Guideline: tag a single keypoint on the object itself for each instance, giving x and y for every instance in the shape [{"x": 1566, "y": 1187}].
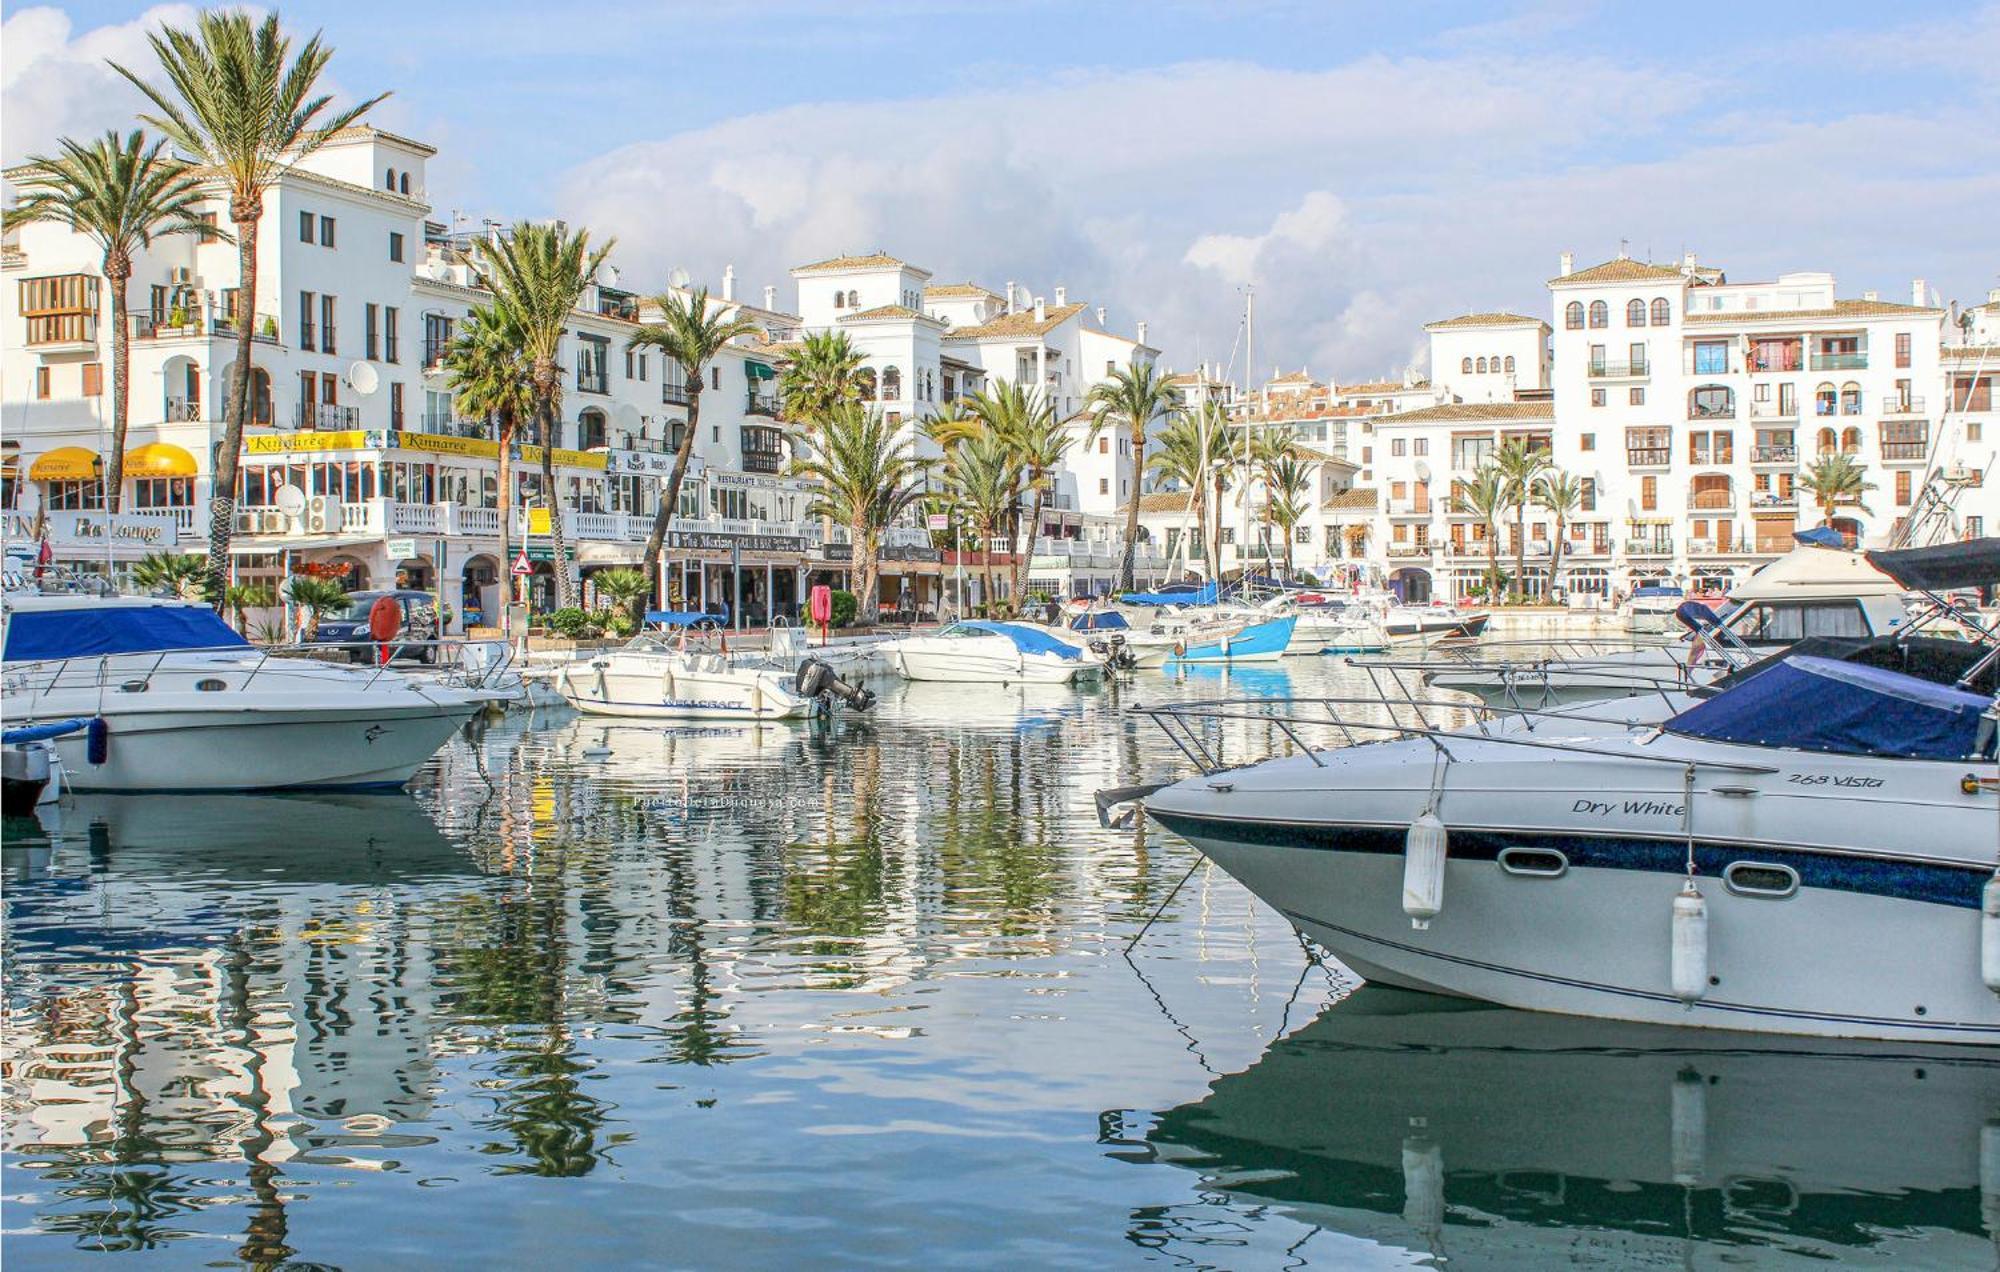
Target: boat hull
[
  {"x": 1259, "y": 642},
  {"x": 644, "y": 688},
  {"x": 972, "y": 667}
]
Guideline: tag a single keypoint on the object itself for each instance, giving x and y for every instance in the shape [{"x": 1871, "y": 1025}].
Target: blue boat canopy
[
  {"x": 1820, "y": 537},
  {"x": 1029, "y": 640},
  {"x": 1108, "y": 621},
  {"x": 87, "y": 631},
  {"x": 1820, "y": 704},
  {"x": 1657, "y": 589},
  {"x": 1203, "y": 595}
]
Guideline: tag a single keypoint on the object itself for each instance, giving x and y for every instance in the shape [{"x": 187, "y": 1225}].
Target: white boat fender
[
  {"x": 1689, "y": 1127},
  {"x": 1423, "y": 870},
  {"x": 1989, "y": 933},
  {"x": 1689, "y": 971}
]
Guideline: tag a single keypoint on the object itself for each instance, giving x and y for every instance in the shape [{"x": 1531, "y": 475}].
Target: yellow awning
[
  {"x": 158, "y": 459},
  {"x": 64, "y": 463}
]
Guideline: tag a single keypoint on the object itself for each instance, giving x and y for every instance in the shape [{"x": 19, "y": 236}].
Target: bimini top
[
  {"x": 1809, "y": 573},
  {"x": 1029, "y": 640},
  {"x": 1944, "y": 568},
  {"x": 1101, "y": 621},
  {"x": 1805, "y": 703},
  {"x": 1203, "y": 595},
  {"x": 87, "y": 628},
  {"x": 1656, "y": 589}
]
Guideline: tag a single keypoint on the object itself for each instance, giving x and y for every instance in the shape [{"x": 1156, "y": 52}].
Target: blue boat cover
[
  {"x": 90, "y": 630},
  {"x": 1028, "y": 640},
  {"x": 1820, "y": 537},
  {"x": 1656, "y": 589},
  {"x": 1203, "y": 595},
  {"x": 1695, "y": 616},
  {"x": 685, "y": 618},
  {"x": 43, "y": 732},
  {"x": 1109, "y": 621},
  {"x": 1820, "y": 704}
]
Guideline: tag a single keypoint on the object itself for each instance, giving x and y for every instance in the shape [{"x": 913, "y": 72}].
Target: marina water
[{"x": 600, "y": 992}]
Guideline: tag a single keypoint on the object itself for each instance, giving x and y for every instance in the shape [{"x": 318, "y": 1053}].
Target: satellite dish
[
  {"x": 363, "y": 378},
  {"x": 1423, "y": 470},
  {"x": 679, "y": 278},
  {"x": 290, "y": 500},
  {"x": 628, "y": 416}
]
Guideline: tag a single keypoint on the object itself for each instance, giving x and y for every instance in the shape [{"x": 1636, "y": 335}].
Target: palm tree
[
  {"x": 316, "y": 598},
  {"x": 176, "y": 573},
  {"x": 867, "y": 478},
  {"x": 1559, "y": 493},
  {"x": 1135, "y": 396},
  {"x": 248, "y": 596},
  {"x": 690, "y": 335},
  {"x": 1214, "y": 429},
  {"x": 121, "y": 193},
  {"x": 1835, "y": 480},
  {"x": 1285, "y": 486},
  {"x": 243, "y": 108},
  {"x": 1027, "y": 423},
  {"x": 823, "y": 374},
  {"x": 487, "y": 368},
  {"x": 1486, "y": 497},
  {"x": 628, "y": 590},
  {"x": 1519, "y": 464},
  {"x": 538, "y": 274},
  {"x": 985, "y": 473},
  {"x": 1187, "y": 454}
]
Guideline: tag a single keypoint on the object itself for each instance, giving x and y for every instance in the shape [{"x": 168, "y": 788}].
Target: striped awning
[
  {"x": 159, "y": 459},
  {"x": 64, "y": 463}
]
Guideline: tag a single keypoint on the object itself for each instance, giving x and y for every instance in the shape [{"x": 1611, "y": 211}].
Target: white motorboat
[
  {"x": 1436, "y": 621},
  {"x": 1330, "y": 625},
  {"x": 981, "y": 651},
  {"x": 1651, "y": 606},
  {"x": 658, "y": 677},
  {"x": 176, "y": 700}
]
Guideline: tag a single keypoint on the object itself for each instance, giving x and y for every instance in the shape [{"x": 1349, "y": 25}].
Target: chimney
[
  {"x": 1568, "y": 264},
  {"x": 1142, "y": 332},
  {"x": 729, "y": 282},
  {"x": 1041, "y": 310},
  {"x": 1870, "y": 295},
  {"x": 1687, "y": 260},
  {"x": 1062, "y": 295},
  {"x": 1100, "y": 315},
  {"x": 1010, "y": 296},
  {"x": 771, "y": 298},
  {"x": 1919, "y": 293}
]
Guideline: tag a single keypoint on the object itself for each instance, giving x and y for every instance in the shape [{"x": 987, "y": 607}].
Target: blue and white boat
[
  {"x": 1264, "y": 641},
  {"x": 979, "y": 651}
]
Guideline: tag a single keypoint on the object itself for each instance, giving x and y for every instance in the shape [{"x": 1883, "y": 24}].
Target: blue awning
[
  {"x": 1820, "y": 704},
  {"x": 1029, "y": 640},
  {"x": 87, "y": 631}
]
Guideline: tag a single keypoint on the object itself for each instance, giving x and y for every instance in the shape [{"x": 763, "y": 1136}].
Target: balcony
[
  {"x": 434, "y": 351},
  {"x": 1905, "y": 452},
  {"x": 325, "y": 417},
  {"x": 1772, "y": 501},
  {"x": 1588, "y": 548},
  {"x": 1840, "y": 362},
  {"x": 1649, "y": 547},
  {"x": 1779, "y": 410},
  {"x": 1638, "y": 370},
  {"x": 674, "y": 394},
  {"x": 62, "y": 333},
  {"x": 592, "y": 380},
  {"x": 769, "y": 464},
  {"x": 444, "y": 425},
  {"x": 1648, "y": 457},
  {"x": 1710, "y": 501},
  {"x": 763, "y": 403},
  {"x": 1787, "y": 456},
  {"x": 1720, "y": 547},
  {"x": 1896, "y": 405},
  {"x": 1706, "y": 411},
  {"x": 1398, "y": 551}
]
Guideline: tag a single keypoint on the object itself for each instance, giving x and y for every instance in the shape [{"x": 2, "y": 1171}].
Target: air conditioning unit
[
  {"x": 1959, "y": 475},
  {"x": 276, "y": 522},
  {"x": 323, "y": 515},
  {"x": 249, "y": 520}
]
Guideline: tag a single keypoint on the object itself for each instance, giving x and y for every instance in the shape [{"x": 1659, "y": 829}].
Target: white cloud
[
  {"x": 58, "y": 83},
  {"x": 1311, "y": 228}
]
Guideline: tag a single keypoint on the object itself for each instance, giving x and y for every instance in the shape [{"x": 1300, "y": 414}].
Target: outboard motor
[
  {"x": 817, "y": 680},
  {"x": 1111, "y": 651}
]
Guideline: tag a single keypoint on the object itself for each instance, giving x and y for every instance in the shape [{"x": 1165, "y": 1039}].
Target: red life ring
[{"x": 385, "y": 618}]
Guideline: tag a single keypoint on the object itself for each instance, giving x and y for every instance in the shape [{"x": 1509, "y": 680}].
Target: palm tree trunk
[
  {"x": 670, "y": 498},
  {"x": 545, "y": 421},
  {"x": 1132, "y": 505},
  {"x": 506, "y": 429},
  {"x": 1556, "y": 553},
  {"x": 1028, "y": 553},
  {"x": 868, "y": 560},
  {"x": 117, "y": 271},
  {"x": 1215, "y": 559},
  {"x": 1521, "y": 547},
  {"x": 989, "y": 597},
  {"x": 244, "y": 215}
]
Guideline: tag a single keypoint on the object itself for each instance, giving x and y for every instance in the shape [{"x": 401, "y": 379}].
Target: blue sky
[{"x": 1367, "y": 167}]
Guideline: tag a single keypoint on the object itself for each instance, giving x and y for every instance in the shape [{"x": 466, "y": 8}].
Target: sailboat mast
[{"x": 1249, "y": 379}]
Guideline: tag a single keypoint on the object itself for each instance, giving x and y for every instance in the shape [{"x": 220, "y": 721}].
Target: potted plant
[
  {"x": 316, "y": 598},
  {"x": 269, "y": 329}
]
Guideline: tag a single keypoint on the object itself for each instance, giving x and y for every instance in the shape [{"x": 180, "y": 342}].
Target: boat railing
[
  {"x": 136, "y": 671},
  {"x": 1198, "y": 729}
]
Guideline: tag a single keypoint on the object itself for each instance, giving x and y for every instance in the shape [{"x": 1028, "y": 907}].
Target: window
[
  {"x": 1421, "y": 446},
  {"x": 892, "y": 384},
  {"x": 1397, "y": 448},
  {"x": 1662, "y": 312},
  {"x": 1635, "y": 396},
  {"x": 1104, "y": 445},
  {"x": 1597, "y": 359},
  {"x": 396, "y": 406},
  {"x": 1649, "y": 493},
  {"x": 1972, "y": 430},
  {"x": 306, "y": 321},
  {"x": 388, "y": 178},
  {"x": 1635, "y": 313},
  {"x": 370, "y": 342},
  {"x": 1597, "y": 397},
  {"x": 305, "y": 227},
  {"x": 42, "y": 383},
  {"x": 1902, "y": 348},
  {"x": 1712, "y": 401},
  {"x": 75, "y": 496},
  {"x": 1903, "y": 487},
  {"x": 840, "y": 300},
  {"x": 326, "y": 231},
  {"x": 1586, "y": 441},
  {"x": 1587, "y": 497},
  {"x": 395, "y": 246},
  {"x": 403, "y": 183},
  {"x": 1103, "y": 485},
  {"x": 93, "y": 379},
  {"x": 326, "y": 343},
  {"x": 1465, "y": 367},
  {"x": 1711, "y": 357},
  {"x": 715, "y": 373},
  {"x": 207, "y": 233},
  {"x": 1510, "y": 364},
  {"x": 1600, "y": 314},
  {"x": 1573, "y": 316},
  {"x": 1110, "y": 366},
  {"x": 390, "y": 316}
]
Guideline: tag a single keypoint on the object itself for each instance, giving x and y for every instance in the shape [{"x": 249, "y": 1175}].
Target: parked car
[{"x": 348, "y": 629}]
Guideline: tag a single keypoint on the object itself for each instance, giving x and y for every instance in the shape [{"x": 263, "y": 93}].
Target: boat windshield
[{"x": 88, "y": 631}]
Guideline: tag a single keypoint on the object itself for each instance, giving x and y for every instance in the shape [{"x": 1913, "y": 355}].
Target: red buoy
[{"x": 385, "y": 619}]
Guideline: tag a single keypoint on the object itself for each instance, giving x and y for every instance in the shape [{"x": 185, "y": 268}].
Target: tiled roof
[
  {"x": 1484, "y": 320},
  {"x": 1020, "y": 323},
  {"x": 1294, "y": 377},
  {"x": 1381, "y": 386},
  {"x": 954, "y": 291},
  {"x": 1841, "y": 309},
  {"x": 1313, "y": 455},
  {"x": 1359, "y": 499},
  {"x": 355, "y": 132},
  {"x": 1622, "y": 270},
  {"x": 873, "y": 260},
  {"x": 1167, "y": 501},
  {"x": 1475, "y": 413},
  {"x": 886, "y": 311}
]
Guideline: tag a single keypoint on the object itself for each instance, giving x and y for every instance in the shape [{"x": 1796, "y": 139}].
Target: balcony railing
[
  {"x": 765, "y": 404},
  {"x": 1649, "y": 547},
  {"x": 754, "y": 462},
  {"x": 1404, "y": 550},
  {"x": 201, "y": 323},
  {"x": 674, "y": 394},
  {"x": 1774, "y": 455},
  {"x": 183, "y": 411},
  {"x": 61, "y": 329},
  {"x": 1779, "y": 410},
  {"x": 1904, "y": 452},
  {"x": 1648, "y": 457},
  {"x": 434, "y": 351},
  {"x": 1898, "y": 405},
  {"x": 1703, "y": 411},
  {"x": 1840, "y": 362},
  {"x": 325, "y": 416},
  {"x": 1634, "y": 370},
  {"x": 1772, "y": 501},
  {"x": 1711, "y": 500}
]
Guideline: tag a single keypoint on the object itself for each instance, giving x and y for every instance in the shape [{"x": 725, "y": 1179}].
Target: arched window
[
  {"x": 840, "y": 300},
  {"x": 1710, "y": 491},
  {"x": 1662, "y": 312},
  {"x": 1824, "y": 400},
  {"x": 1600, "y": 314},
  {"x": 1826, "y": 441},
  {"x": 1480, "y": 366},
  {"x": 1850, "y": 398},
  {"x": 388, "y": 178},
  {"x": 1635, "y": 313},
  {"x": 1573, "y": 315},
  {"x": 403, "y": 183},
  {"x": 1712, "y": 401},
  {"x": 892, "y": 384},
  {"x": 260, "y": 396},
  {"x": 1850, "y": 440},
  {"x": 854, "y": 300},
  {"x": 590, "y": 430},
  {"x": 1510, "y": 364},
  {"x": 1465, "y": 367}
]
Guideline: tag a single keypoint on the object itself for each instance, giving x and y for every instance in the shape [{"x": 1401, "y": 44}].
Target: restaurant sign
[
  {"x": 710, "y": 541},
  {"x": 289, "y": 443},
  {"x": 95, "y": 529},
  {"x": 656, "y": 463}
]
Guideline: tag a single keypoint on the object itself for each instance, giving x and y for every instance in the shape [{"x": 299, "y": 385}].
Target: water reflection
[{"x": 1462, "y": 1132}]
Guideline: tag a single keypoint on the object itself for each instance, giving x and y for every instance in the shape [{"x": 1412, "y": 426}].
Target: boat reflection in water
[{"x": 1491, "y": 1136}]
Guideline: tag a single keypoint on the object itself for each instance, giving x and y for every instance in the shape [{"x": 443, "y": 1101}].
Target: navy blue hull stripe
[{"x": 1936, "y": 883}]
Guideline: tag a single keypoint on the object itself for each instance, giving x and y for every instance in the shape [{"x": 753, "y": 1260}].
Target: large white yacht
[
  {"x": 171, "y": 698},
  {"x": 657, "y": 676},
  {"x": 981, "y": 652}
]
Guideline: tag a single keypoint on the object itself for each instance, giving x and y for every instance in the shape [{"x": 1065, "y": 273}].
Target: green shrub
[
  {"x": 574, "y": 623},
  {"x": 845, "y": 607},
  {"x": 619, "y": 623}
]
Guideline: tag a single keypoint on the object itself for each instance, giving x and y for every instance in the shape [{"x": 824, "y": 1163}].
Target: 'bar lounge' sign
[{"x": 82, "y": 529}]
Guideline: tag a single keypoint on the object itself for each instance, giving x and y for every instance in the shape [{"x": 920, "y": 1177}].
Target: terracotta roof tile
[
  {"x": 1475, "y": 412},
  {"x": 1622, "y": 270},
  {"x": 1495, "y": 319},
  {"x": 1021, "y": 323},
  {"x": 1359, "y": 499},
  {"x": 887, "y": 311},
  {"x": 1381, "y": 386},
  {"x": 1167, "y": 501},
  {"x": 873, "y": 260},
  {"x": 1841, "y": 309},
  {"x": 958, "y": 291}
]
